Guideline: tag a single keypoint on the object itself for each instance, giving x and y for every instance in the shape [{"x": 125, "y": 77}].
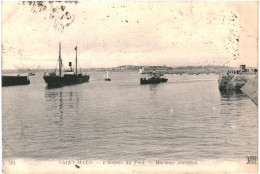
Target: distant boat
[
  {"x": 107, "y": 77},
  {"x": 141, "y": 71},
  {"x": 15, "y": 80},
  {"x": 69, "y": 77},
  {"x": 154, "y": 78},
  {"x": 30, "y": 72}
]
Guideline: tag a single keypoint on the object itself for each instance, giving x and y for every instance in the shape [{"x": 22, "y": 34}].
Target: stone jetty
[
  {"x": 251, "y": 89},
  {"x": 243, "y": 79},
  {"x": 233, "y": 82},
  {"x": 15, "y": 80}
]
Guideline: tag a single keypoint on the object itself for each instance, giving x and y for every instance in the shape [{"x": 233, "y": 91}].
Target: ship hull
[
  {"x": 56, "y": 81},
  {"x": 163, "y": 80},
  {"x": 152, "y": 81},
  {"x": 31, "y": 74},
  {"x": 15, "y": 80}
]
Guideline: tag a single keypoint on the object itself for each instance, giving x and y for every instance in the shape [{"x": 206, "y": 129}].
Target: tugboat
[
  {"x": 154, "y": 79},
  {"x": 69, "y": 78},
  {"x": 107, "y": 77}
]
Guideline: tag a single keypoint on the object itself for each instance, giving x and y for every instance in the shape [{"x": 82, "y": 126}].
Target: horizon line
[{"x": 130, "y": 65}]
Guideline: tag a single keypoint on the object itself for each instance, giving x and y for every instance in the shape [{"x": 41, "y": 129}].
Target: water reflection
[
  {"x": 231, "y": 102},
  {"x": 64, "y": 118},
  {"x": 151, "y": 89},
  {"x": 54, "y": 103},
  {"x": 62, "y": 101},
  {"x": 231, "y": 94}
]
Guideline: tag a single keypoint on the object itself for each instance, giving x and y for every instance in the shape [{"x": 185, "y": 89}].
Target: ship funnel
[{"x": 70, "y": 65}]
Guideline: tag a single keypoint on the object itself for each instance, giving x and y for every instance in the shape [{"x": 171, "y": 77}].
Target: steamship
[{"x": 69, "y": 77}]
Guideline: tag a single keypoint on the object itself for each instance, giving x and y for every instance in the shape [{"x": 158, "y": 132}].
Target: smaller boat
[
  {"x": 30, "y": 73},
  {"x": 107, "y": 77},
  {"x": 154, "y": 78}
]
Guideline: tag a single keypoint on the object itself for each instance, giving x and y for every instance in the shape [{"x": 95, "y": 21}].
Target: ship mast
[
  {"x": 60, "y": 61},
  {"x": 76, "y": 61}
]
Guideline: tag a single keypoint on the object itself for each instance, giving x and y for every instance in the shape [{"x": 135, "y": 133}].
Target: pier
[
  {"x": 251, "y": 89},
  {"x": 15, "y": 80}
]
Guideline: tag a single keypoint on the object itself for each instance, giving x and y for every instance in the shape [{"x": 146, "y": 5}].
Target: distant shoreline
[{"x": 132, "y": 68}]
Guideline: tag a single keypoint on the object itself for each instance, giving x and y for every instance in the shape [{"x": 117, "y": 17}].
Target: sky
[{"x": 109, "y": 34}]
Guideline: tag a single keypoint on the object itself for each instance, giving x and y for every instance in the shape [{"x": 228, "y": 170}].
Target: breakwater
[
  {"x": 15, "y": 80},
  {"x": 232, "y": 81},
  {"x": 251, "y": 89},
  {"x": 247, "y": 83}
]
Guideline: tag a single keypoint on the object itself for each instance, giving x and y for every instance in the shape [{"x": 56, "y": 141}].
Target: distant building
[{"x": 147, "y": 69}]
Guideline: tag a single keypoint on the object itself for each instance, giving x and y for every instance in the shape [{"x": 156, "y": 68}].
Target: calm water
[{"x": 185, "y": 118}]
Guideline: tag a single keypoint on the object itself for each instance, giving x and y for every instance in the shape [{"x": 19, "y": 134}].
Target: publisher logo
[{"x": 252, "y": 160}]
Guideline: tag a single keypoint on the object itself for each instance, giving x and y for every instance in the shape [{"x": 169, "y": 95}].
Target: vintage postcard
[{"x": 129, "y": 87}]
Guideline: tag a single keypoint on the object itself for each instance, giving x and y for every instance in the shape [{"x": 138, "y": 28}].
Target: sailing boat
[
  {"x": 69, "y": 78},
  {"x": 107, "y": 77}
]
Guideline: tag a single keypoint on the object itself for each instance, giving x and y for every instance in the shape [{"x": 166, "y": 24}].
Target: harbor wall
[
  {"x": 223, "y": 81},
  {"x": 232, "y": 81},
  {"x": 247, "y": 83},
  {"x": 251, "y": 89},
  {"x": 15, "y": 80}
]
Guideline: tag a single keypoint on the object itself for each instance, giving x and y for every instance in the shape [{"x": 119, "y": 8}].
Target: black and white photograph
[{"x": 139, "y": 87}]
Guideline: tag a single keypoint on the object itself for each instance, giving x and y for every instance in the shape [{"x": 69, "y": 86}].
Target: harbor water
[{"x": 187, "y": 118}]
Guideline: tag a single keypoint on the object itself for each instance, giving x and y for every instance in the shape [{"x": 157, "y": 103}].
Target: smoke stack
[{"x": 70, "y": 65}]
